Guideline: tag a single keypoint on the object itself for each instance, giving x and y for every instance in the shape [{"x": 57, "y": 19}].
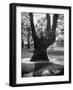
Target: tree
[
  {"x": 28, "y": 37},
  {"x": 42, "y": 43},
  {"x": 26, "y": 30},
  {"x": 60, "y": 31}
]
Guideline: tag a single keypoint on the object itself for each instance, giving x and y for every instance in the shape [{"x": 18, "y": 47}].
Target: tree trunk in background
[
  {"x": 41, "y": 44},
  {"x": 28, "y": 38}
]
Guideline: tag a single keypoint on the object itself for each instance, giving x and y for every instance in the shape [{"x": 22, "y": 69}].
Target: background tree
[
  {"x": 60, "y": 31},
  {"x": 26, "y": 30}
]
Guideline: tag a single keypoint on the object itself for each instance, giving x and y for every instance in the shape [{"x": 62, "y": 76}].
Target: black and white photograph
[
  {"x": 40, "y": 39},
  {"x": 42, "y": 51}
]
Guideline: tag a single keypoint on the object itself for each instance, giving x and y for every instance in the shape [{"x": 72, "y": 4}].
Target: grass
[{"x": 36, "y": 68}]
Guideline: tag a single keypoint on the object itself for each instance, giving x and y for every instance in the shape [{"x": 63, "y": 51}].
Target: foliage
[{"x": 40, "y": 24}]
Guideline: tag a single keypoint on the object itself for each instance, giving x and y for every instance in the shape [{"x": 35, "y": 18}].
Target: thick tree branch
[
  {"x": 32, "y": 26},
  {"x": 55, "y": 18},
  {"x": 51, "y": 32},
  {"x": 48, "y": 25},
  {"x": 48, "y": 22}
]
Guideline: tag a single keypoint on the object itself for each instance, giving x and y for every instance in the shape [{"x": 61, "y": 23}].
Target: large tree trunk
[{"x": 41, "y": 44}]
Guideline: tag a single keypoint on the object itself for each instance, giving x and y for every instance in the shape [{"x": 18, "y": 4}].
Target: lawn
[{"x": 53, "y": 67}]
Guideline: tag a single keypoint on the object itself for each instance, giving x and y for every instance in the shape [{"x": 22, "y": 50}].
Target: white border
[{"x": 19, "y": 79}]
